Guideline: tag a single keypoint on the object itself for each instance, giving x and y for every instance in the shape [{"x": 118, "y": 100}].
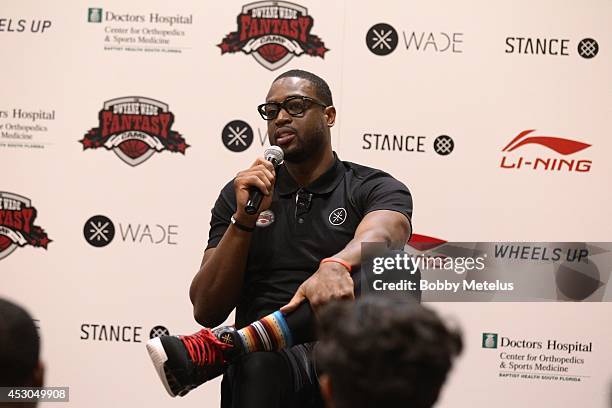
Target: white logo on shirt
[{"x": 338, "y": 216}]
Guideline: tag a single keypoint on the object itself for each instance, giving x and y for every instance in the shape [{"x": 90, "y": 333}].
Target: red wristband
[{"x": 340, "y": 261}]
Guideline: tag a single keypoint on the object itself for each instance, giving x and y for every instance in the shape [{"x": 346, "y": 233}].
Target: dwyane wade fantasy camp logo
[
  {"x": 135, "y": 128},
  {"x": 17, "y": 227},
  {"x": 273, "y": 32}
]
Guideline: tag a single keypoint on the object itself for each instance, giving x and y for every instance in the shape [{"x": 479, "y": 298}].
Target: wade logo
[
  {"x": 273, "y": 32},
  {"x": 17, "y": 227},
  {"x": 381, "y": 39},
  {"x": 563, "y": 147},
  {"x": 135, "y": 128},
  {"x": 99, "y": 231}
]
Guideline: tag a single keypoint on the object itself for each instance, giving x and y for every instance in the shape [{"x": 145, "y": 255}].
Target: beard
[{"x": 304, "y": 148}]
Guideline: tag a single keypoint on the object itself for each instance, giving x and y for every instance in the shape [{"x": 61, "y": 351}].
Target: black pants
[
  {"x": 283, "y": 379},
  {"x": 272, "y": 379}
]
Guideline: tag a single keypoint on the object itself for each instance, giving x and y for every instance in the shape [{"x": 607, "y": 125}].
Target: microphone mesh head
[{"x": 274, "y": 152}]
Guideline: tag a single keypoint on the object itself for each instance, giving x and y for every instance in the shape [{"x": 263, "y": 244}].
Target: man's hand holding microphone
[{"x": 254, "y": 188}]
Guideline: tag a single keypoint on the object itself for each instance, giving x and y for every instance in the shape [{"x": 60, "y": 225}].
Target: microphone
[{"x": 273, "y": 154}]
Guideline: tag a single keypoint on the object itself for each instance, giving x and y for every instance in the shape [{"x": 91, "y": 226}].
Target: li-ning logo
[
  {"x": 489, "y": 340},
  {"x": 564, "y": 147},
  {"x": 135, "y": 128},
  {"x": 273, "y": 32},
  {"x": 424, "y": 242},
  {"x": 17, "y": 227}
]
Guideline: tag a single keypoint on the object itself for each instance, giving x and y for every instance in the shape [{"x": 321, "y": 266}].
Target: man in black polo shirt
[{"x": 297, "y": 252}]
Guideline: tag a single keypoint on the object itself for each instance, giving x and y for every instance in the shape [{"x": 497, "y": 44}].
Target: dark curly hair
[
  {"x": 383, "y": 353},
  {"x": 19, "y": 345}
]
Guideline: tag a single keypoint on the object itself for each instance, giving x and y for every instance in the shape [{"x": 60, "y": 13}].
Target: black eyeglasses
[{"x": 294, "y": 105}]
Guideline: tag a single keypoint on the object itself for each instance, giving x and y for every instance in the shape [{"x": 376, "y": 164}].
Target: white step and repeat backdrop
[{"x": 120, "y": 121}]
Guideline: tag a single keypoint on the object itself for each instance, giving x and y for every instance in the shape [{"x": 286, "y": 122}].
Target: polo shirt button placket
[{"x": 302, "y": 205}]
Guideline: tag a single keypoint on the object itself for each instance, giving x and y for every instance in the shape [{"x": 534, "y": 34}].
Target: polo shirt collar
[{"x": 326, "y": 183}]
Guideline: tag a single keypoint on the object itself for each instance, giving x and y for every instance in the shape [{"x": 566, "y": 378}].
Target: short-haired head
[
  {"x": 377, "y": 352},
  {"x": 322, "y": 89},
  {"x": 19, "y": 346}
]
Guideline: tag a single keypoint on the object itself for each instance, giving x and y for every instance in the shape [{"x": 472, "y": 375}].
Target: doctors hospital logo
[
  {"x": 559, "y": 155},
  {"x": 94, "y": 15},
  {"x": 273, "y": 32},
  {"x": 489, "y": 340},
  {"x": 17, "y": 227},
  {"x": 135, "y": 128}
]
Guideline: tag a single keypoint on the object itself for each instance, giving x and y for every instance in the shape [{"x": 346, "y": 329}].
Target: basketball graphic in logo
[{"x": 265, "y": 219}]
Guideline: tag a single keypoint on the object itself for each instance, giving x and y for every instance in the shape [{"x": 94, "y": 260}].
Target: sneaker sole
[{"x": 159, "y": 357}]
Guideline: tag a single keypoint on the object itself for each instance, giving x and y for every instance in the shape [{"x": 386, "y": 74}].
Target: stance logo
[
  {"x": 99, "y": 231},
  {"x": 588, "y": 48},
  {"x": 158, "y": 331},
  {"x": 444, "y": 145},
  {"x": 564, "y": 147},
  {"x": 237, "y": 136},
  {"x": 338, "y": 216},
  {"x": 135, "y": 128},
  {"x": 381, "y": 39},
  {"x": 17, "y": 227},
  {"x": 273, "y": 32}
]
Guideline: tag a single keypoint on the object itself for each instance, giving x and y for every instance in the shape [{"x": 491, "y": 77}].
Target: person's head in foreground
[
  {"x": 378, "y": 352},
  {"x": 19, "y": 349}
]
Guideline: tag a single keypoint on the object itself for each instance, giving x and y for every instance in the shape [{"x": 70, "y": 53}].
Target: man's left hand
[{"x": 330, "y": 281}]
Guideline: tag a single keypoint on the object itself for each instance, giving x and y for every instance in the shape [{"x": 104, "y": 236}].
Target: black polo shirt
[{"x": 303, "y": 226}]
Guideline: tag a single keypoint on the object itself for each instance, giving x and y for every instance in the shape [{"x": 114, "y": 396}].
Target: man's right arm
[{"x": 216, "y": 288}]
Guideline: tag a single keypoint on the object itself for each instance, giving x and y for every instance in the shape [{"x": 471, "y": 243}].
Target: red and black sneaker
[{"x": 184, "y": 362}]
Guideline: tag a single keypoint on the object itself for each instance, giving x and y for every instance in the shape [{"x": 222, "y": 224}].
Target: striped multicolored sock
[{"x": 268, "y": 334}]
